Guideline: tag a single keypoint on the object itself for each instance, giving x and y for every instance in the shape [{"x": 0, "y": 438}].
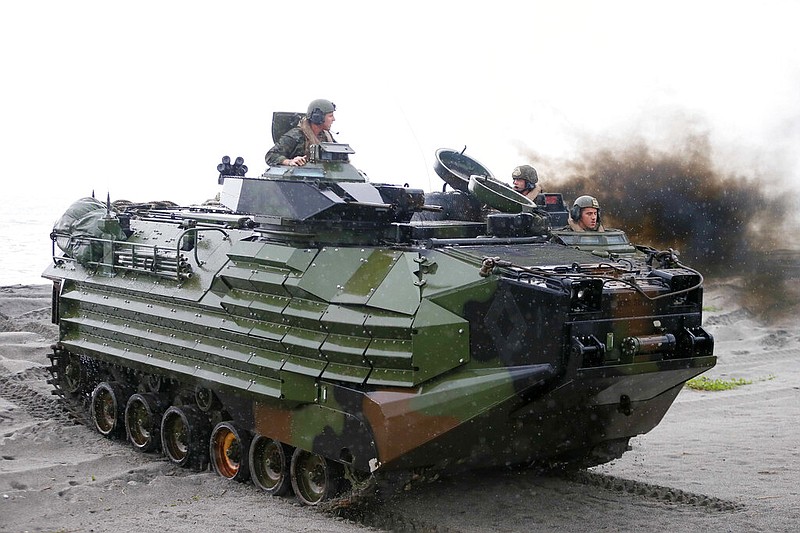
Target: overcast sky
[{"x": 142, "y": 99}]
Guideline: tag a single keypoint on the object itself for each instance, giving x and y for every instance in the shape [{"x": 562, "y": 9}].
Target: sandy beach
[{"x": 719, "y": 461}]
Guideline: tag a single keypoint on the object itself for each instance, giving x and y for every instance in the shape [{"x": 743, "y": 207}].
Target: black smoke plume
[{"x": 725, "y": 225}]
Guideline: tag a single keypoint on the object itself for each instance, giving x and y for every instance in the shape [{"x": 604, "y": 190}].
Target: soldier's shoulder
[{"x": 294, "y": 133}]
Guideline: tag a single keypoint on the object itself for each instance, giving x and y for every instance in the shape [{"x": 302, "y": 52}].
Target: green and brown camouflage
[{"x": 318, "y": 313}]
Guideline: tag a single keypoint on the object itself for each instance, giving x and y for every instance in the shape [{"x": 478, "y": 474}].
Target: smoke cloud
[{"x": 725, "y": 224}]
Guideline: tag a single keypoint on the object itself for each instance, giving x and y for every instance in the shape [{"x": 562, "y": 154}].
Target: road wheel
[
  {"x": 143, "y": 421},
  {"x": 184, "y": 436},
  {"x": 107, "y": 408},
  {"x": 269, "y": 465},
  {"x": 228, "y": 448},
  {"x": 314, "y": 478}
]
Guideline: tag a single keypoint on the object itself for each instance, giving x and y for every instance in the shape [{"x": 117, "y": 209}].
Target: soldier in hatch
[
  {"x": 526, "y": 181},
  {"x": 585, "y": 215},
  {"x": 292, "y": 149}
]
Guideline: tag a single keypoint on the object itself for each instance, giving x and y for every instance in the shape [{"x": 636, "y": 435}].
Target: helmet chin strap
[{"x": 527, "y": 187}]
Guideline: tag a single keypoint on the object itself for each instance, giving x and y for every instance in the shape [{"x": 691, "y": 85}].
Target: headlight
[{"x": 585, "y": 294}]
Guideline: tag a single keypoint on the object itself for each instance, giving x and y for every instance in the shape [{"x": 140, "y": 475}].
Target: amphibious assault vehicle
[{"x": 317, "y": 331}]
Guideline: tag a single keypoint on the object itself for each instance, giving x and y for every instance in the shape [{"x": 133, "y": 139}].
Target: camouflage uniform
[{"x": 295, "y": 142}]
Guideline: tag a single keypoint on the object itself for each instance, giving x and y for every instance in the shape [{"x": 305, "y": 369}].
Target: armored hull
[{"x": 311, "y": 335}]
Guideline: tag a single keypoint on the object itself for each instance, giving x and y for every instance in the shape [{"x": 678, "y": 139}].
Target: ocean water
[{"x": 25, "y": 226}]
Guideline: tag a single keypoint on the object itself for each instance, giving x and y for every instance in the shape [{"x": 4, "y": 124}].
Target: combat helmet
[
  {"x": 527, "y": 173},
  {"x": 582, "y": 202},
  {"x": 317, "y": 110}
]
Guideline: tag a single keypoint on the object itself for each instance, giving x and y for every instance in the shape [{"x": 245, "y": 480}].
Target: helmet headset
[
  {"x": 583, "y": 202},
  {"x": 318, "y": 109}
]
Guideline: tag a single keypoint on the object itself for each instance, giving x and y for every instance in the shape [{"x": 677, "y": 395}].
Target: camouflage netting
[{"x": 86, "y": 218}]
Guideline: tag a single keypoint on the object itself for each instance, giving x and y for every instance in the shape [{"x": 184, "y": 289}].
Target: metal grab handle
[{"x": 195, "y": 229}]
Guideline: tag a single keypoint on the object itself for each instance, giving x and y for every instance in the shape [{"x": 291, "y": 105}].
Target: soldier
[
  {"x": 585, "y": 214},
  {"x": 292, "y": 148},
  {"x": 526, "y": 181}
]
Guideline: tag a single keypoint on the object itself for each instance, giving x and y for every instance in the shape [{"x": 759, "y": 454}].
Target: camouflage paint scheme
[{"x": 396, "y": 355}]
